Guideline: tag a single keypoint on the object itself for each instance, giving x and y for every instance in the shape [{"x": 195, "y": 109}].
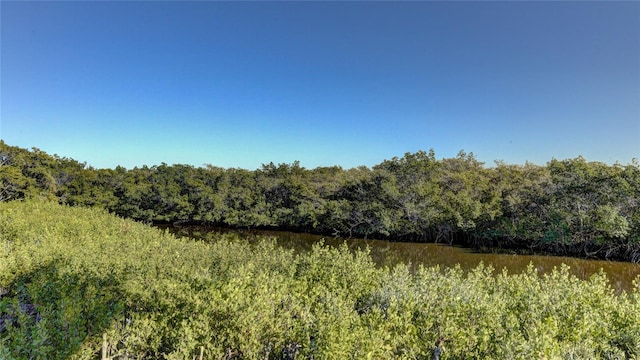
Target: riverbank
[
  {"x": 566, "y": 207},
  {"x": 391, "y": 253},
  {"x": 90, "y": 274}
]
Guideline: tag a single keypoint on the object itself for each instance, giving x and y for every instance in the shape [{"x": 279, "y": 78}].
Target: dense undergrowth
[
  {"x": 566, "y": 207},
  {"x": 68, "y": 275}
]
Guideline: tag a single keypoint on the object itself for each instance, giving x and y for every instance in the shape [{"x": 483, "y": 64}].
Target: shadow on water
[{"x": 388, "y": 253}]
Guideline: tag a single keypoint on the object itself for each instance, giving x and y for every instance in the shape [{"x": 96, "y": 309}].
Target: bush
[{"x": 69, "y": 275}]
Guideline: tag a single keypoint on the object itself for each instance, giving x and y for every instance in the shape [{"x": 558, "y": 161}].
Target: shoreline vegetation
[
  {"x": 77, "y": 282},
  {"x": 567, "y": 207}
]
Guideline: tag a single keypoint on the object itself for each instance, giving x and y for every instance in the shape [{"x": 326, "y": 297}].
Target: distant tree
[{"x": 568, "y": 206}]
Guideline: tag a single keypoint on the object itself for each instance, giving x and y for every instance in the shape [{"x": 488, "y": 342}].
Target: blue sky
[{"x": 326, "y": 83}]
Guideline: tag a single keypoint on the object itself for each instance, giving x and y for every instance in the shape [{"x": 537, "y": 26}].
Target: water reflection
[{"x": 387, "y": 253}]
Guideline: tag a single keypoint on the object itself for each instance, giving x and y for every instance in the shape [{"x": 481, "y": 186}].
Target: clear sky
[{"x": 239, "y": 84}]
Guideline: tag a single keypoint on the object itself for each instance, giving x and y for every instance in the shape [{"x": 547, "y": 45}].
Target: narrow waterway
[{"x": 387, "y": 253}]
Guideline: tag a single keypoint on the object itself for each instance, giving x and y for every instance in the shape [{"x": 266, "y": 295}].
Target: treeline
[
  {"x": 567, "y": 207},
  {"x": 75, "y": 282}
]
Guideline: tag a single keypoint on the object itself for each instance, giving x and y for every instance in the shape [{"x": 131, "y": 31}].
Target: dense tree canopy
[{"x": 568, "y": 206}]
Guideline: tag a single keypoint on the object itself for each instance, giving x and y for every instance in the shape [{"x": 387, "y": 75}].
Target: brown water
[{"x": 387, "y": 253}]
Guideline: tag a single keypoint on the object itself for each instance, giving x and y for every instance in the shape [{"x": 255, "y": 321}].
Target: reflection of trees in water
[{"x": 387, "y": 253}]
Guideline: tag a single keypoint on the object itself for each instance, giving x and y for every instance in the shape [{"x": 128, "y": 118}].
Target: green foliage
[
  {"x": 69, "y": 275},
  {"x": 568, "y": 207}
]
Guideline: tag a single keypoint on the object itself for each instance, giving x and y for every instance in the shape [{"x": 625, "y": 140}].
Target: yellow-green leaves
[{"x": 69, "y": 275}]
